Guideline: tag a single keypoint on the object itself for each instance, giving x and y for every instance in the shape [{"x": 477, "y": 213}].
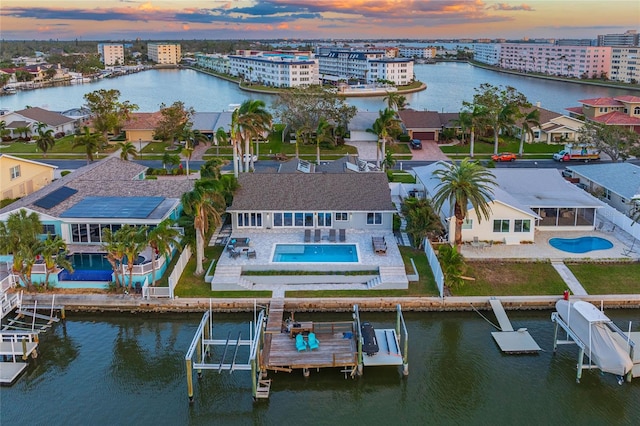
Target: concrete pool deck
[{"x": 542, "y": 250}]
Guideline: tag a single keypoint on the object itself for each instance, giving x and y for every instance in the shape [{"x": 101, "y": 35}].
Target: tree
[
  {"x": 386, "y": 125},
  {"x": 108, "y": 112},
  {"x": 211, "y": 169},
  {"x": 135, "y": 241},
  {"x": 324, "y": 133},
  {"x": 170, "y": 160},
  {"x": 500, "y": 107},
  {"x": 161, "y": 239},
  {"x": 19, "y": 236},
  {"x": 127, "y": 149},
  {"x": 388, "y": 162},
  {"x": 205, "y": 205},
  {"x": 529, "y": 122},
  {"x": 463, "y": 184},
  {"x": 114, "y": 245},
  {"x": 191, "y": 138},
  {"x": 396, "y": 101},
  {"x": 301, "y": 109},
  {"x": 175, "y": 119},
  {"x": 23, "y": 130},
  {"x": 221, "y": 137},
  {"x": 54, "y": 254},
  {"x": 452, "y": 265},
  {"x": 469, "y": 119},
  {"x": 4, "y": 132},
  {"x": 45, "y": 139},
  {"x": 250, "y": 120},
  {"x": 90, "y": 141},
  {"x": 618, "y": 142},
  {"x": 421, "y": 220}
]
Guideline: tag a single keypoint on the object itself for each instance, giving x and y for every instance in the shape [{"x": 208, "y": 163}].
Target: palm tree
[
  {"x": 206, "y": 205},
  {"x": 471, "y": 119},
  {"x": 90, "y": 141},
  {"x": 222, "y": 137},
  {"x": 54, "y": 254},
  {"x": 463, "y": 184},
  {"x": 113, "y": 244},
  {"x": 324, "y": 133},
  {"x": 19, "y": 235},
  {"x": 385, "y": 125},
  {"x": 421, "y": 220},
  {"x": 529, "y": 122},
  {"x": 4, "y": 132},
  {"x": 396, "y": 101},
  {"x": 252, "y": 120},
  {"x": 452, "y": 265},
  {"x": 127, "y": 149},
  {"x": 23, "y": 130},
  {"x": 161, "y": 239},
  {"x": 45, "y": 139},
  {"x": 135, "y": 239}
]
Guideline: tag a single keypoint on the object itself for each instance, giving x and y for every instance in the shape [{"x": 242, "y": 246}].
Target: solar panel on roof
[
  {"x": 114, "y": 207},
  {"x": 54, "y": 198}
]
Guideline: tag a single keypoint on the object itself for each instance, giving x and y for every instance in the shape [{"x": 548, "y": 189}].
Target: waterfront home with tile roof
[
  {"x": 554, "y": 127},
  {"x": 315, "y": 200},
  {"x": 106, "y": 194},
  {"x": 523, "y": 200},
  {"x": 426, "y": 125},
  {"x": 617, "y": 183},
  {"x": 20, "y": 177},
  {"x": 613, "y": 111}
]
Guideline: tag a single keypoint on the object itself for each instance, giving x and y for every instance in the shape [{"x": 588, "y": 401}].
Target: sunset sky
[{"x": 309, "y": 19}]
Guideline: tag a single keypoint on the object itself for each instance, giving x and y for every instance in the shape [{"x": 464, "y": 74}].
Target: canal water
[
  {"x": 129, "y": 369},
  {"x": 448, "y": 85}
]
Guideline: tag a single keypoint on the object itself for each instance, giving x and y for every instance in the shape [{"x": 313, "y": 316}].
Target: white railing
[
  {"x": 7, "y": 283},
  {"x": 145, "y": 268},
  {"x": 174, "y": 276},
  {"x": 619, "y": 219},
  {"x": 435, "y": 266}
]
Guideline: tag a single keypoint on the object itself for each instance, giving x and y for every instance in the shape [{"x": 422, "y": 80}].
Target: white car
[{"x": 249, "y": 157}]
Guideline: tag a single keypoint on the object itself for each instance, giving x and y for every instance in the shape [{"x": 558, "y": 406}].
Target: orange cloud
[
  {"x": 186, "y": 27},
  {"x": 283, "y": 26}
]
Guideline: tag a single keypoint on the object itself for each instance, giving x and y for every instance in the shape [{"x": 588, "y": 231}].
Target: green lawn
[
  {"x": 191, "y": 285},
  {"x": 62, "y": 146},
  {"x": 607, "y": 278},
  {"x": 510, "y": 279},
  {"x": 485, "y": 148},
  {"x": 402, "y": 177}
]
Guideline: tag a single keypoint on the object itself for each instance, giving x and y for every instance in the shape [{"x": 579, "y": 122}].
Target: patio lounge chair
[
  {"x": 301, "y": 345},
  {"x": 476, "y": 243},
  {"x": 251, "y": 254},
  {"x": 312, "y": 341},
  {"x": 379, "y": 245},
  {"x": 332, "y": 235},
  {"x": 317, "y": 236},
  {"x": 343, "y": 235},
  {"x": 307, "y": 235},
  {"x": 234, "y": 254}
]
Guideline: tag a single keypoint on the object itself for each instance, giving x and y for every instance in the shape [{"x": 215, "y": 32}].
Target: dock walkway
[{"x": 510, "y": 341}]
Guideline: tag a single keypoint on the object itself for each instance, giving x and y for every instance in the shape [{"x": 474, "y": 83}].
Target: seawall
[{"x": 135, "y": 304}]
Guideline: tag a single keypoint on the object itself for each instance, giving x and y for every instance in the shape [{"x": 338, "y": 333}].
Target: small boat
[{"x": 593, "y": 328}]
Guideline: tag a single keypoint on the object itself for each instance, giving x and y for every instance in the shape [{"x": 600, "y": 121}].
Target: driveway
[{"x": 429, "y": 152}]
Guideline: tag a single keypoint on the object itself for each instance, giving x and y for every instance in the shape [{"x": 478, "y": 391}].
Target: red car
[{"x": 504, "y": 156}]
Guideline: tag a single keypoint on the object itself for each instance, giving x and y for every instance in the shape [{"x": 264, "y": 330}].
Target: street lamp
[{"x": 139, "y": 145}]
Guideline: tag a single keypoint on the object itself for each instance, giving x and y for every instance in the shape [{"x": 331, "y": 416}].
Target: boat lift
[
  {"x": 572, "y": 338},
  {"x": 201, "y": 349}
]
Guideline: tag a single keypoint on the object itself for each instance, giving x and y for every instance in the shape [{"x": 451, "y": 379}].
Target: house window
[
  {"x": 607, "y": 193},
  {"x": 467, "y": 224},
  {"x": 49, "y": 230},
  {"x": 342, "y": 216},
  {"x": 252, "y": 220},
  {"x": 374, "y": 218},
  {"x": 636, "y": 111},
  {"x": 501, "y": 225},
  {"x": 324, "y": 219},
  {"x": 522, "y": 225},
  {"x": 15, "y": 172}
]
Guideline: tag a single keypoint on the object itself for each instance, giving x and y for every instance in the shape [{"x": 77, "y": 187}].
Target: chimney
[{"x": 538, "y": 104}]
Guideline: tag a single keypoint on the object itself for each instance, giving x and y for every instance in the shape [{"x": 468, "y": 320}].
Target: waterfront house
[
  {"x": 614, "y": 111},
  {"x": 102, "y": 195},
  {"x": 141, "y": 126},
  {"x": 359, "y": 201},
  {"x": 523, "y": 200},
  {"x": 617, "y": 184},
  {"x": 426, "y": 125},
  {"x": 20, "y": 177},
  {"x": 554, "y": 127},
  {"x": 359, "y": 124},
  {"x": 30, "y": 117}
]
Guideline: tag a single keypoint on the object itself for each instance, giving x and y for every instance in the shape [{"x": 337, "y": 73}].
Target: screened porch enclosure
[{"x": 565, "y": 216}]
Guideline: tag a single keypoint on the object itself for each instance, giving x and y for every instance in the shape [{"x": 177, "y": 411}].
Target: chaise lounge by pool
[
  {"x": 315, "y": 253},
  {"x": 580, "y": 245}
]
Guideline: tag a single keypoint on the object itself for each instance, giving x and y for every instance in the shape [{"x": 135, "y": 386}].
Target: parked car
[
  {"x": 504, "y": 156},
  {"x": 415, "y": 144}
]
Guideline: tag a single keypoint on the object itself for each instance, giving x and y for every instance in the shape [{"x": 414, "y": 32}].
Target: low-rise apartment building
[
  {"x": 111, "y": 53},
  {"x": 164, "y": 53},
  {"x": 276, "y": 69}
]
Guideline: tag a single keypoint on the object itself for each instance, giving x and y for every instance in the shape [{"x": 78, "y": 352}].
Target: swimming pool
[
  {"x": 580, "y": 245},
  {"x": 315, "y": 253}
]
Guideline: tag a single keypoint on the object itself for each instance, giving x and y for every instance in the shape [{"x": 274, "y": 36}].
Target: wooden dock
[{"x": 509, "y": 340}]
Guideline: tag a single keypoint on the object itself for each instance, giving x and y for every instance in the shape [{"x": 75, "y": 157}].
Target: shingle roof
[
  {"x": 110, "y": 177},
  {"x": 621, "y": 178},
  {"x": 413, "y": 119},
  {"x": 142, "y": 121},
  {"x": 313, "y": 192},
  {"x": 49, "y": 118}
]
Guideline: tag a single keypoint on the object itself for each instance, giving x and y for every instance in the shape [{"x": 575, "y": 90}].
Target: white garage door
[{"x": 363, "y": 136}]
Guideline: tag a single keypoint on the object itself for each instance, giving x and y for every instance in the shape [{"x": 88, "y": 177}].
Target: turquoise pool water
[
  {"x": 315, "y": 253},
  {"x": 580, "y": 245}
]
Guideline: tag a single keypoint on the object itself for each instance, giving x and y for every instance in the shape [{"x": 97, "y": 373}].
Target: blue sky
[{"x": 359, "y": 19}]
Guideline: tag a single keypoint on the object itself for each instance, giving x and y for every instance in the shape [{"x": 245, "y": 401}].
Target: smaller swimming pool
[
  {"x": 580, "y": 245},
  {"x": 315, "y": 253}
]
